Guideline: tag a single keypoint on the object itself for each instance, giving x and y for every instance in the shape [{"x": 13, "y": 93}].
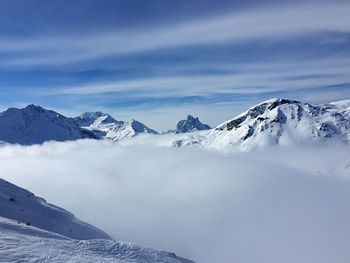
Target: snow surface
[
  {"x": 32, "y": 230},
  {"x": 22, "y": 243},
  {"x": 23, "y": 206}
]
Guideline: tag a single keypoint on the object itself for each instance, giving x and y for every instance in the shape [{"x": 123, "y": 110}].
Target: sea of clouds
[{"x": 274, "y": 205}]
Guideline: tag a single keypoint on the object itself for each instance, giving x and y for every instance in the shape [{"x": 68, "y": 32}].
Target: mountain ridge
[
  {"x": 191, "y": 124},
  {"x": 35, "y": 125},
  {"x": 105, "y": 126},
  {"x": 276, "y": 121},
  {"x": 280, "y": 122}
]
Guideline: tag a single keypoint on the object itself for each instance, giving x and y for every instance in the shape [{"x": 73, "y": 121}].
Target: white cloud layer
[{"x": 279, "y": 205}]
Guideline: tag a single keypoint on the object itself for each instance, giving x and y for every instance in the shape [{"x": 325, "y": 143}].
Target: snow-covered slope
[
  {"x": 32, "y": 230},
  {"x": 190, "y": 124},
  {"x": 21, "y": 205},
  {"x": 22, "y": 243},
  {"x": 105, "y": 126},
  {"x": 280, "y": 121},
  {"x": 34, "y": 124}
]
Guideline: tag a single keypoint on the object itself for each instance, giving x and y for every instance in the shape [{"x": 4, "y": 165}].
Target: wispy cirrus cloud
[
  {"x": 255, "y": 78},
  {"x": 270, "y": 23}
]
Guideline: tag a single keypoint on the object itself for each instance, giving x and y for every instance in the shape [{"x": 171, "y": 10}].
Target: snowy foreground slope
[
  {"x": 279, "y": 122},
  {"x": 31, "y": 230},
  {"x": 22, "y": 243},
  {"x": 21, "y": 205}
]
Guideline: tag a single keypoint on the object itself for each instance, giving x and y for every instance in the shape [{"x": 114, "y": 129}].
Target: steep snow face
[
  {"x": 19, "y": 242},
  {"x": 105, "y": 126},
  {"x": 34, "y": 124},
  {"x": 23, "y": 206},
  {"x": 281, "y": 121},
  {"x": 191, "y": 124}
]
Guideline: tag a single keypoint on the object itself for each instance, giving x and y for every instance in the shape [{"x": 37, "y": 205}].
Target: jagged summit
[
  {"x": 34, "y": 107},
  {"x": 257, "y": 112},
  {"x": 190, "y": 124}
]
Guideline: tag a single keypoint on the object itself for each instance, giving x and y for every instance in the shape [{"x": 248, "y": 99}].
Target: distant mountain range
[
  {"x": 35, "y": 125},
  {"x": 272, "y": 122}
]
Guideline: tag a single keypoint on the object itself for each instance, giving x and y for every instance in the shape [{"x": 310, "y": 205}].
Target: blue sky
[{"x": 157, "y": 61}]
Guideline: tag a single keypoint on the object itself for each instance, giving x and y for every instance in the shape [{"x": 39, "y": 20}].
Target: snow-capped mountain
[
  {"x": 190, "y": 124},
  {"x": 276, "y": 121},
  {"x": 34, "y": 124},
  {"x": 280, "y": 121},
  {"x": 105, "y": 126},
  {"x": 33, "y": 230}
]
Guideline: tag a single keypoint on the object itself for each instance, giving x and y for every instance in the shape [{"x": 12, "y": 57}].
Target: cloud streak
[
  {"x": 255, "y": 78},
  {"x": 264, "y": 23}
]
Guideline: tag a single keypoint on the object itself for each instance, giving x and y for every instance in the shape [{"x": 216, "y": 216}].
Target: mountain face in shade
[
  {"x": 280, "y": 122},
  {"x": 105, "y": 126},
  {"x": 190, "y": 124},
  {"x": 34, "y": 125}
]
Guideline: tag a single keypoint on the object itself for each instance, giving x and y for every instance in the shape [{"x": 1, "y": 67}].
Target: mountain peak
[
  {"x": 34, "y": 124},
  {"x": 34, "y": 108},
  {"x": 191, "y": 124},
  {"x": 90, "y": 118},
  {"x": 274, "y": 102},
  {"x": 191, "y": 118},
  {"x": 92, "y": 115},
  {"x": 284, "y": 121}
]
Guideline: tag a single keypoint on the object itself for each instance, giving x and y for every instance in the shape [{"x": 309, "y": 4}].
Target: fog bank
[{"x": 275, "y": 205}]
